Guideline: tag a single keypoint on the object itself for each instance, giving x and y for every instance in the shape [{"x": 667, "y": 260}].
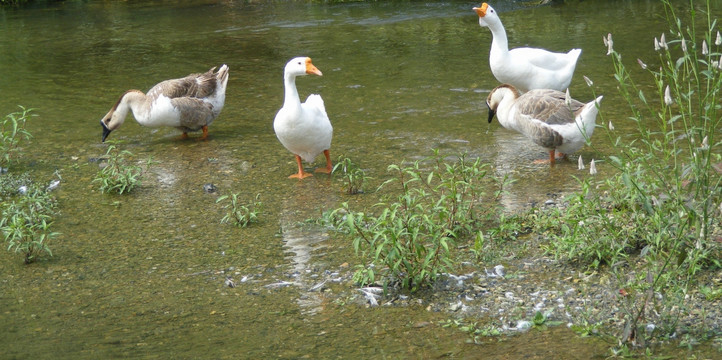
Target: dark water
[{"x": 143, "y": 275}]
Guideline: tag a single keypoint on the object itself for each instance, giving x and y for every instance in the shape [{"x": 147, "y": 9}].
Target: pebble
[{"x": 209, "y": 188}]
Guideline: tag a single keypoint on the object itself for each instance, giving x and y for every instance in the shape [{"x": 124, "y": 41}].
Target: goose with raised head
[
  {"x": 188, "y": 104},
  {"x": 550, "y": 118},
  {"x": 526, "y": 68},
  {"x": 303, "y": 128}
]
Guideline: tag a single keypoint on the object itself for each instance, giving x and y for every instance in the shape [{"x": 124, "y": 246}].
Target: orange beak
[
  {"x": 310, "y": 69},
  {"x": 481, "y": 11}
]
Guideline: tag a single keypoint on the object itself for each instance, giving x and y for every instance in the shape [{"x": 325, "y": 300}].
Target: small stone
[{"x": 210, "y": 188}]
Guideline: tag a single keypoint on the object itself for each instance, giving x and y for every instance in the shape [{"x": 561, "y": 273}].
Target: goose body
[
  {"x": 303, "y": 128},
  {"x": 525, "y": 68},
  {"x": 188, "y": 104},
  {"x": 548, "y": 117}
]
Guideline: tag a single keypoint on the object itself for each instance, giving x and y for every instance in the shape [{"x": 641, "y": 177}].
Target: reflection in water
[{"x": 303, "y": 244}]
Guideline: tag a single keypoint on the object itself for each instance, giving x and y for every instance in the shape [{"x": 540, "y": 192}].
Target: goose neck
[{"x": 291, "y": 93}]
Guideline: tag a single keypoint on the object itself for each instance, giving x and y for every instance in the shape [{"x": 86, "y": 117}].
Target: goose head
[
  {"x": 497, "y": 95},
  {"x": 116, "y": 116},
  {"x": 301, "y": 66},
  {"x": 487, "y": 14}
]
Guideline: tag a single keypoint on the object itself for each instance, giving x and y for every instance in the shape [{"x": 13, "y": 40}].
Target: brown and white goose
[
  {"x": 548, "y": 117},
  {"x": 188, "y": 104}
]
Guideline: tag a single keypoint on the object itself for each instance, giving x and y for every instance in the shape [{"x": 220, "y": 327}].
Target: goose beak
[
  {"x": 106, "y": 131},
  {"x": 481, "y": 11},
  {"x": 311, "y": 69},
  {"x": 491, "y": 114}
]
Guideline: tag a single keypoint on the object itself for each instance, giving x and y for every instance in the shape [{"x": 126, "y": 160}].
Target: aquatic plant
[
  {"x": 239, "y": 214},
  {"x": 354, "y": 177},
  {"x": 411, "y": 236},
  {"x": 118, "y": 176},
  {"x": 663, "y": 204},
  {"x": 12, "y": 184},
  {"x": 26, "y": 223},
  {"x": 12, "y": 131}
]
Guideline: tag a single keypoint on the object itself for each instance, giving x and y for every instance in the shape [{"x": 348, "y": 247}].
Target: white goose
[
  {"x": 303, "y": 128},
  {"x": 525, "y": 68},
  {"x": 548, "y": 117},
  {"x": 189, "y": 104}
]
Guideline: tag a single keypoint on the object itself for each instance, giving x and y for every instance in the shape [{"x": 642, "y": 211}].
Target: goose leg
[
  {"x": 551, "y": 161},
  {"x": 301, "y": 174},
  {"x": 328, "y": 168},
  {"x": 205, "y": 132},
  {"x": 184, "y": 136}
]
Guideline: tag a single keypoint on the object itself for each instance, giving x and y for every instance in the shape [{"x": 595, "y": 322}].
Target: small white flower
[
  {"x": 642, "y": 64},
  {"x": 580, "y": 163},
  {"x": 667, "y": 96},
  {"x": 705, "y": 51},
  {"x": 714, "y": 64},
  {"x": 611, "y": 126},
  {"x": 592, "y": 168},
  {"x": 705, "y": 142},
  {"x": 663, "y": 42},
  {"x": 609, "y": 43},
  {"x": 718, "y": 41},
  {"x": 684, "y": 46},
  {"x": 588, "y": 81},
  {"x": 719, "y": 63},
  {"x": 656, "y": 44},
  {"x": 568, "y": 99}
]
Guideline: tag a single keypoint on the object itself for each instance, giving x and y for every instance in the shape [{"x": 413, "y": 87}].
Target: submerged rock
[{"x": 209, "y": 188}]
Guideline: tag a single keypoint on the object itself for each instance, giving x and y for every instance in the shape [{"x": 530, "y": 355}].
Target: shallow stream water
[{"x": 144, "y": 274}]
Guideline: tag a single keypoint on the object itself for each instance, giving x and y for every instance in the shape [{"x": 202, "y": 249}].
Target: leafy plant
[
  {"x": 12, "y": 131},
  {"x": 412, "y": 235},
  {"x": 11, "y": 184},
  {"x": 118, "y": 176},
  {"x": 475, "y": 332},
  {"x": 354, "y": 176},
  {"x": 541, "y": 321},
  {"x": 26, "y": 224},
  {"x": 710, "y": 293},
  {"x": 238, "y": 214}
]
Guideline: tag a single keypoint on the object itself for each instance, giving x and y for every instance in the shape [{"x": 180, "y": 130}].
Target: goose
[
  {"x": 303, "y": 128},
  {"x": 550, "y": 118},
  {"x": 188, "y": 104},
  {"x": 526, "y": 68}
]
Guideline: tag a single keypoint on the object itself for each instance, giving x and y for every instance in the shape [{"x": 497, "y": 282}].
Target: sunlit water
[{"x": 144, "y": 275}]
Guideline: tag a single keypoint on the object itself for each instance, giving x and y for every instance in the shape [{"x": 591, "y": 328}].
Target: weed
[
  {"x": 26, "y": 223},
  {"x": 11, "y": 184},
  {"x": 238, "y": 214},
  {"x": 475, "y": 332},
  {"x": 412, "y": 235},
  {"x": 662, "y": 205},
  {"x": 711, "y": 294},
  {"x": 354, "y": 176},
  {"x": 118, "y": 176},
  {"x": 12, "y": 131},
  {"x": 541, "y": 321}
]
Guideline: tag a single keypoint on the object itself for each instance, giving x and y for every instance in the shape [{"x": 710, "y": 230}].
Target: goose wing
[
  {"x": 193, "y": 85},
  {"x": 193, "y": 113},
  {"x": 548, "y": 106}
]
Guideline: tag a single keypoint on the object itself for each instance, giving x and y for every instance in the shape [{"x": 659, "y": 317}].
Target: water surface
[{"x": 143, "y": 275}]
